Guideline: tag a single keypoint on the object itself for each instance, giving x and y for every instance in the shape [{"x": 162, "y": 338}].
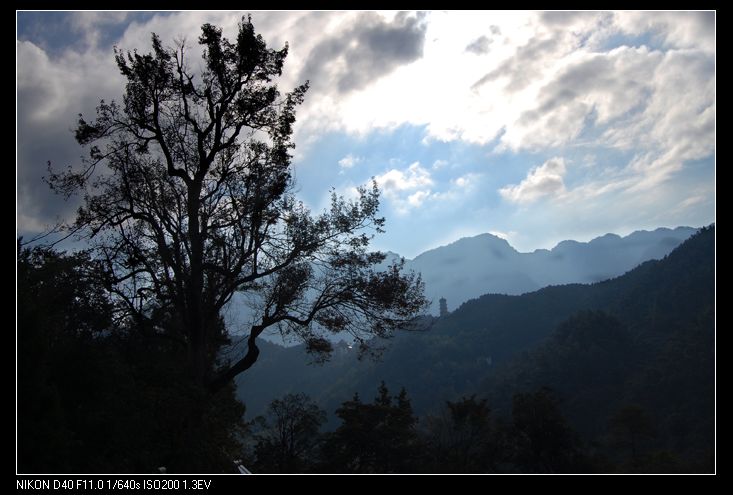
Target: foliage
[
  {"x": 463, "y": 439},
  {"x": 373, "y": 438},
  {"x": 544, "y": 441},
  {"x": 194, "y": 202},
  {"x": 289, "y": 440},
  {"x": 96, "y": 397}
]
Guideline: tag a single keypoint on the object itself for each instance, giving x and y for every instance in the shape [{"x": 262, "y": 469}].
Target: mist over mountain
[{"x": 487, "y": 264}]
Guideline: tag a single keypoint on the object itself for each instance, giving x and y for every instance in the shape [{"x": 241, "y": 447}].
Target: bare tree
[{"x": 193, "y": 202}]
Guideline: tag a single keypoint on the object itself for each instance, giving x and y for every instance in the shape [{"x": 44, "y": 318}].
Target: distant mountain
[
  {"x": 646, "y": 337},
  {"x": 486, "y": 264}
]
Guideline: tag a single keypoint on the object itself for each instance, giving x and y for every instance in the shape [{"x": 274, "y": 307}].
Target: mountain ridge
[
  {"x": 633, "y": 234},
  {"x": 486, "y": 263}
]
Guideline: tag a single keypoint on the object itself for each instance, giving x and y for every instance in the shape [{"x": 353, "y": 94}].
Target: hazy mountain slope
[
  {"x": 487, "y": 264},
  {"x": 461, "y": 351},
  {"x": 659, "y": 355}
]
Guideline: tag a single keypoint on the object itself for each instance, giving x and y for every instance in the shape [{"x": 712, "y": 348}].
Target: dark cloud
[
  {"x": 50, "y": 95},
  {"x": 38, "y": 143},
  {"x": 560, "y": 19},
  {"x": 548, "y": 103},
  {"x": 59, "y": 31},
  {"x": 521, "y": 69},
  {"x": 619, "y": 78},
  {"x": 560, "y": 34},
  {"x": 479, "y": 46},
  {"x": 706, "y": 20},
  {"x": 588, "y": 73},
  {"x": 367, "y": 50},
  {"x": 40, "y": 137}
]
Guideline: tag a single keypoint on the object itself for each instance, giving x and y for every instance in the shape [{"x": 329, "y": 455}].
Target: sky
[{"x": 534, "y": 126}]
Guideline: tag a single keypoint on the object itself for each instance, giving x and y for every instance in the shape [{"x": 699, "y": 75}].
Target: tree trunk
[
  {"x": 243, "y": 364},
  {"x": 196, "y": 322}
]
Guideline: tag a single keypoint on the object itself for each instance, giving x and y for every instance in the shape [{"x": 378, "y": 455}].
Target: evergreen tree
[{"x": 373, "y": 438}]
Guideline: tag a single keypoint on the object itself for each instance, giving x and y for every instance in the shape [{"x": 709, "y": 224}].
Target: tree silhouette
[
  {"x": 53, "y": 371},
  {"x": 373, "y": 438},
  {"x": 97, "y": 397},
  {"x": 289, "y": 439},
  {"x": 188, "y": 200},
  {"x": 462, "y": 439},
  {"x": 545, "y": 442}
]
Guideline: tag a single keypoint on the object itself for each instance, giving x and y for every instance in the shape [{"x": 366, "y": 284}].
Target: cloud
[
  {"x": 91, "y": 25},
  {"x": 415, "y": 187},
  {"x": 552, "y": 80},
  {"x": 406, "y": 188},
  {"x": 674, "y": 29},
  {"x": 417, "y": 198},
  {"x": 677, "y": 121},
  {"x": 590, "y": 90},
  {"x": 349, "y": 161},
  {"x": 552, "y": 37},
  {"x": 479, "y": 46},
  {"x": 367, "y": 49},
  {"x": 507, "y": 236},
  {"x": 522, "y": 68},
  {"x": 71, "y": 69},
  {"x": 466, "y": 181},
  {"x": 395, "y": 181},
  {"x": 50, "y": 95},
  {"x": 462, "y": 181},
  {"x": 542, "y": 181},
  {"x": 565, "y": 19},
  {"x": 555, "y": 83},
  {"x": 694, "y": 200}
]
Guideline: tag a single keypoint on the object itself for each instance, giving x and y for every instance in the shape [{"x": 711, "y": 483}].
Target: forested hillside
[{"x": 645, "y": 338}]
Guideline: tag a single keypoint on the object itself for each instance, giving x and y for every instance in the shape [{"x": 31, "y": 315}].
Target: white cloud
[
  {"x": 542, "y": 181},
  {"x": 523, "y": 78},
  {"x": 695, "y": 200},
  {"x": 395, "y": 181},
  {"x": 479, "y": 46},
  {"x": 406, "y": 188},
  {"x": 552, "y": 79},
  {"x": 466, "y": 181},
  {"x": 417, "y": 198},
  {"x": 589, "y": 90},
  {"x": 507, "y": 236},
  {"x": 349, "y": 161},
  {"x": 677, "y": 123},
  {"x": 676, "y": 29},
  {"x": 461, "y": 182},
  {"x": 90, "y": 23}
]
